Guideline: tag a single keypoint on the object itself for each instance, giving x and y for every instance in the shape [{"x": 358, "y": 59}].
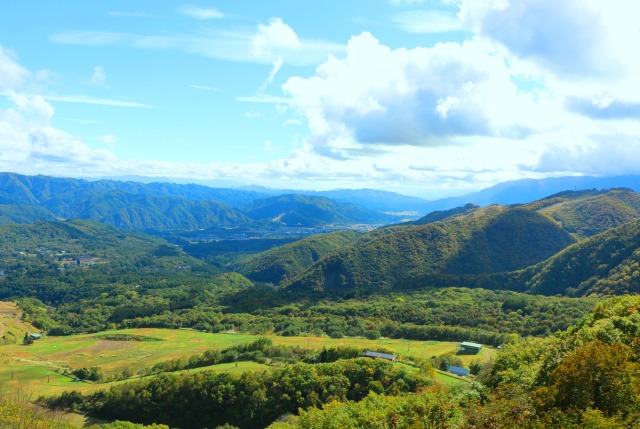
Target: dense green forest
[
  {"x": 284, "y": 262},
  {"x": 495, "y": 239},
  {"x": 164, "y": 206},
  {"x": 305, "y": 210},
  {"x": 586, "y": 376}
]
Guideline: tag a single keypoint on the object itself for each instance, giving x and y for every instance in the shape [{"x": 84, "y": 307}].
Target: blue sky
[{"x": 428, "y": 98}]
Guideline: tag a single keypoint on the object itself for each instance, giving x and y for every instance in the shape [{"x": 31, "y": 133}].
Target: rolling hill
[
  {"x": 285, "y": 262},
  {"x": 140, "y": 211},
  {"x": 527, "y": 190},
  {"x": 487, "y": 240},
  {"x": 44, "y": 241},
  {"x": 605, "y": 264},
  {"x": 162, "y": 206},
  {"x": 471, "y": 245},
  {"x": 308, "y": 211}
]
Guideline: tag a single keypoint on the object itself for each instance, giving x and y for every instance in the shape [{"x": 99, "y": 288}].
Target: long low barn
[
  {"x": 378, "y": 355},
  {"x": 470, "y": 347}
]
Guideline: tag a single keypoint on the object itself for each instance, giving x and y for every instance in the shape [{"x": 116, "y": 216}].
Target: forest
[{"x": 548, "y": 286}]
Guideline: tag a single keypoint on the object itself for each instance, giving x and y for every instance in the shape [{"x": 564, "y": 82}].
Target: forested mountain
[
  {"x": 288, "y": 261},
  {"x": 20, "y": 189},
  {"x": 162, "y": 206},
  {"x": 43, "y": 242},
  {"x": 586, "y": 213},
  {"x": 487, "y": 240},
  {"x": 526, "y": 190},
  {"x": 139, "y": 211},
  {"x": 307, "y": 211},
  {"x": 18, "y": 213},
  {"x": 439, "y": 215},
  {"x": 472, "y": 241},
  {"x": 372, "y": 199},
  {"x": 606, "y": 264}
]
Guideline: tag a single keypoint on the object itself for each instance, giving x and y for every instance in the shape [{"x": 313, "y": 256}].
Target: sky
[{"x": 429, "y": 98}]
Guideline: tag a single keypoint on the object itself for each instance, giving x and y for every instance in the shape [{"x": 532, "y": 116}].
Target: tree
[
  {"x": 595, "y": 376},
  {"x": 444, "y": 364},
  {"x": 475, "y": 367}
]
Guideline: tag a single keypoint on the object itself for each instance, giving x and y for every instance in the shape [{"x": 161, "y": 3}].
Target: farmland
[{"x": 39, "y": 367}]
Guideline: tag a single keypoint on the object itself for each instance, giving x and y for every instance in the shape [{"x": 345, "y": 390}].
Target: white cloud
[
  {"x": 277, "y": 65},
  {"x": 274, "y": 40},
  {"x": 85, "y": 99},
  {"x": 614, "y": 154},
  {"x": 428, "y": 21},
  {"x": 12, "y": 74},
  {"x": 200, "y": 12},
  {"x": 265, "y": 44},
  {"x": 202, "y": 87},
  {"x": 569, "y": 38},
  {"x": 420, "y": 97},
  {"x": 98, "y": 78},
  {"x": 109, "y": 139},
  {"x": 27, "y": 140}
]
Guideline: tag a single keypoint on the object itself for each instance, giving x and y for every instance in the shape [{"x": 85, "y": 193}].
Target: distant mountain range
[
  {"x": 572, "y": 243},
  {"x": 527, "y": 190},
  {"x": 161, "y": 206}
]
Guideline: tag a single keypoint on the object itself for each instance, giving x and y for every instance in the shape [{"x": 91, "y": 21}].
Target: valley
[{"x": 272, "y": 309}]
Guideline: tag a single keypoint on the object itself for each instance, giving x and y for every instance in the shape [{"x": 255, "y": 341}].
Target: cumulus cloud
[
  {"x": 570, "y": 38},
  {"x": 418, "y": 97},
  {"x": 613, "y": 154},
  {"x": 604, "y": 108},
  {"x": 27, "y": 137},
  {"x": 274, "y": 39},
  {"x": 12, "y": 74}
]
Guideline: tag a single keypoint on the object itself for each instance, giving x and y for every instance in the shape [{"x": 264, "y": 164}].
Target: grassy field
[
  {"x": 34, "y": 367},
  {"x": 38, "y": 367},
  {"x": 12, "y": 328}
]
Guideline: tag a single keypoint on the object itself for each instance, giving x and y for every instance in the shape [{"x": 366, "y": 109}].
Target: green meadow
[{"x": 38, "y": 367}]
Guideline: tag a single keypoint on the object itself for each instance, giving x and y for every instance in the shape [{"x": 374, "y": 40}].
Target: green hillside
[
  {"x": 21, "y": 189},
  {"x": 606, "y": 264},
  {"x": 130, "y": 211},
  {"x": 439, "y": 215},
  {"x": 587, "y": 213},
  {"x": 308, "y": 211},
  {"x": 11, "y": 213},
  {"x": 489, "y": 240},
  {"x": 288, "y": 261},
  {"x": 66, "y": 239}
]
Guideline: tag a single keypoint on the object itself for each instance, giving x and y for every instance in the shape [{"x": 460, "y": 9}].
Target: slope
[
  {"x": 131, "y": 211},
  {"x": 587, "y": 213},
  {"x": 285, "y": 262},
  {"x": 489, "y": 240},
  {"x": 309, "y": 211},
  {"x": 607, "y": 263}
]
